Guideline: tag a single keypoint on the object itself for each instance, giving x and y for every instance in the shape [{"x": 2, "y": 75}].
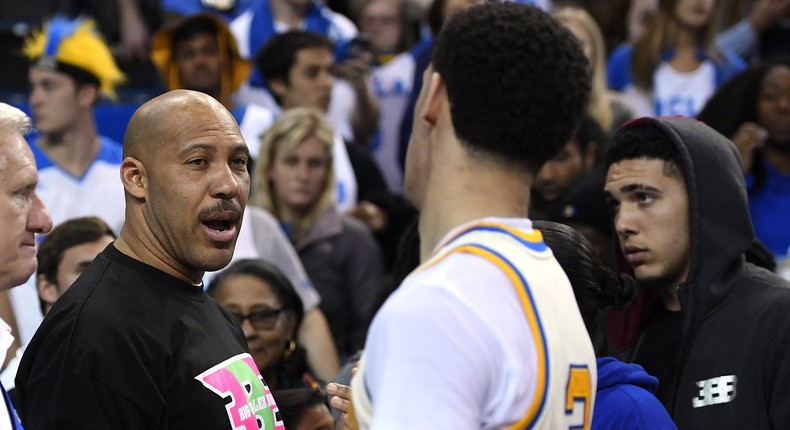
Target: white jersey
[
  {"x": 392, "y": 86},
  {"x": 485, "y": 335}
]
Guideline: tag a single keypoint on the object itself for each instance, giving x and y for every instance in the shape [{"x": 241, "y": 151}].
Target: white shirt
[{"x": 458, "y": 347}]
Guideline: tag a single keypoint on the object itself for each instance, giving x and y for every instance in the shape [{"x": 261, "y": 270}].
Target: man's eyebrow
[
  {"x": 196, "y": 147},
  {"x": 638, "y": 187}
]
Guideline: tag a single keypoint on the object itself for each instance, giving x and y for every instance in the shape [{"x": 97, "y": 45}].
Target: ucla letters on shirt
[
  {"x": 485, "y": 335},
  {"x": 129, "y": 346}
]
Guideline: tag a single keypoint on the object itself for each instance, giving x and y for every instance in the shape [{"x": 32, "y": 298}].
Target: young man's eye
[
  {"x": 197, "y": 162},
  {"x": 644, "y": 198}
]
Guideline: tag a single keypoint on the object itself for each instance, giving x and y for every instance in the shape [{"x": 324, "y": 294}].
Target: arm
[
  {"x": 134, "y": 31},
  {"x": 365, "y": 116},
  {"x": 316, "y": 338}
]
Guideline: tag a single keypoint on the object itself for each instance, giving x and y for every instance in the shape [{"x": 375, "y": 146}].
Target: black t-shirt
[
  {"x": 659, "y": 347},
  {"x": 129, "y": 346}
]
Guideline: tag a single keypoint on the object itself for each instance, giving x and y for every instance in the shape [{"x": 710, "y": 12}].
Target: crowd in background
[{"x": 324, "y": 95}]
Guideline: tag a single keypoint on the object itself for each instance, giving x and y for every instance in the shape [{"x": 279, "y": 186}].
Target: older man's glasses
[{"x": 264, "y": 319}]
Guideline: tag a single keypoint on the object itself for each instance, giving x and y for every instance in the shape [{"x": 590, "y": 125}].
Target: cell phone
[{"x": 355, "y": 47}]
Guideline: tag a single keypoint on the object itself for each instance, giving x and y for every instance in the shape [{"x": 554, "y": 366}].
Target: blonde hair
[
  {"x": 289, "y": 131},
  {"x": 599, "y": 106},
  {"x": 660, "y": 34}
]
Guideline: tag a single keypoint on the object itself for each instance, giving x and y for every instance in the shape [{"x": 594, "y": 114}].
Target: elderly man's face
[{"x": 22, "y": 214}]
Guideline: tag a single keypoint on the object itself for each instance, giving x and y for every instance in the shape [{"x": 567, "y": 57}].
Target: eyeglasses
[{"x": 264, "y": 319}]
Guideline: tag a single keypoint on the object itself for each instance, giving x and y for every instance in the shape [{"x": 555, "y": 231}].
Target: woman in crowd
[
  {"x": 609, "y": 108},
  {"x": 294, "y": 181},
  {"x": 270, "y": 312},
  {"x": 674, "y": 66},
  {"x": 753, "y": 110}
]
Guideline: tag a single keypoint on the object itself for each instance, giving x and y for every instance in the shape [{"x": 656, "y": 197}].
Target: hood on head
[
  {"x": 235, "y": 69},
  {"x": 719, "y": 222}
]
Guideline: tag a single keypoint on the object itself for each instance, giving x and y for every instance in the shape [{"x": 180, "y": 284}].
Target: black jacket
[{"x": 731, "y": 368}]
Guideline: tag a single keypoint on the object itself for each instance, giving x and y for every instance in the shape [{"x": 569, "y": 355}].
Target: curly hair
[{"x": 516, "y": 79}]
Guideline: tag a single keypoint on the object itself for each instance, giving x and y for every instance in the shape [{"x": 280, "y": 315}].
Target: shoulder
[{"x": 110, "y": 151}]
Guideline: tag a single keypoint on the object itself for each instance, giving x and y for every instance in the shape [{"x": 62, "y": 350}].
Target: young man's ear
[
  {"x": 278, "y": 88},
  {"x": 48, "y": 291},
  {"x": 434, "y": 99},
  {"x": 87, "y": 95},
  {"x": 134, "y": 178}
]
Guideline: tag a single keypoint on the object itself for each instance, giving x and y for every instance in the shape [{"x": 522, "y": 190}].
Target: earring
[{"x": 290, "y": 350}]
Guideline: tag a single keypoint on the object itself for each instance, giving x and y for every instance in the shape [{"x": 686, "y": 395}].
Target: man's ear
[
  {"x": 87, "y": 95},
  {"x": 434, "y": 100},
  {"x": 48, "y": 291},
  {"x": 278, "y": 88},
  {"x": 134, "y": 178}
]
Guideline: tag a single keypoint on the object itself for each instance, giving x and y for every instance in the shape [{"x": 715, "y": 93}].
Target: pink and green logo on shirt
[{"x": 252, "y": 405}]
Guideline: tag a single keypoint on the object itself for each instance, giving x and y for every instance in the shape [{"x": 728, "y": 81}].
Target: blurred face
[
  {"x": 22, "y": 214},
  {"x": 199, "y": 64},
  {"x": 694, "y": 14},
  {"x": 651, "y": 220},
  {"x": 300, "y": 176},
  {"x": 73, "y": 262},
  {"x": 246, "y": 295},
  {"x": 773, "y": 105},
  {"x": 316, "y": 417},
  {"x": 198, "y": 188},
  {"x": 310, "y": 80},
  {"x": 560, "y": 174},
  {"x": 381, "y": 20},
  {"x": 53, "y": 100}
]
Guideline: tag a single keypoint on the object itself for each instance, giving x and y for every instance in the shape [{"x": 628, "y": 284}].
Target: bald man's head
[{"x": 164, "y": 117}]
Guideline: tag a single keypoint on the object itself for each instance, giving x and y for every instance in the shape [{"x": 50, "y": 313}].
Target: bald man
[{"x": 135, "y": 343}]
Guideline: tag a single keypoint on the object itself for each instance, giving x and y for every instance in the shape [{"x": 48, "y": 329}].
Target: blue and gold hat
[{"x": 75, "y": 47}]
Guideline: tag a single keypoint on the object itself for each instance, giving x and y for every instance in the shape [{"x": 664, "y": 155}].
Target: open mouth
[{"x": 219, "y": 224}]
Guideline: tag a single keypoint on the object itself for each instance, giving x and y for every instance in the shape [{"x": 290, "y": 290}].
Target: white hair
[{"x": 14, "y": 119}]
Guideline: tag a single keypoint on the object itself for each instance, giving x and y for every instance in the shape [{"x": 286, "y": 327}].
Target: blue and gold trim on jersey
[{"x": 532, "y": 240}]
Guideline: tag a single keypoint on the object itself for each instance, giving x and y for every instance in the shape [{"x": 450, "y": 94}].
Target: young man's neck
[
  {"x": 73, "y": 150},
  {"x": 476, "y": 193}
]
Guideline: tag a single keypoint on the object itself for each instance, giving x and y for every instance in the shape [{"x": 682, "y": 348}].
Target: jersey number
[{"x": 578, "y": 395}]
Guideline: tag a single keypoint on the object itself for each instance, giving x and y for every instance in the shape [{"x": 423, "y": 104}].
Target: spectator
[
  {"x": 673, "y": 67},
  {"x": 293, "y": 182},
  {"x": 609, "y": 108},
  {"x": 753, "y": 109},
  {"x": 136, "y": 342},
  {"x": 266, "y": 307},
  {"x": 304, "y": 409},
  {"x": 710, "y": 326},
  {"x": 23, "y": 215}
]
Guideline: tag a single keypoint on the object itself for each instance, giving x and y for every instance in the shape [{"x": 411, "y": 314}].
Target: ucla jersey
[{"x": 503, "y": 344}]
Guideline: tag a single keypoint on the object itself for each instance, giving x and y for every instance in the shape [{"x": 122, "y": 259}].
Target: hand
[
  {"x": 370, "y": 214},
  {"x": 355, "y": 70},
  {"x": 341, "y": 401},
  {"x": 747, "y": 138},
  {"x": 766, "y": 13}
]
